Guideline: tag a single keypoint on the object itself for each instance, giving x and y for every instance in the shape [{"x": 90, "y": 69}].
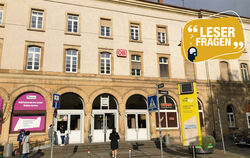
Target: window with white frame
[
  {"x": 1, "y": 15},
  {"x": 248, "y": 119},
  {"x": 105, "y": 27},
  {"x": 244, "y": 71},
  {"x": 134, "y": 32},
  {"x": 33, "y": 58},
  {"x": 168, "y": 113},
  {"x": 164, "y": 72},
  {"x": 136, "y": 65},
  {"x": 71, "y": 63},
  {"x": 230, "y": 116},
  {"x": 72, "y": 23},
  {"x": 162, "y": 36},
  {"x": 105, "y": 63},
  {"x": 201, "y": 113},
  {"x": 36, "y": 21}
]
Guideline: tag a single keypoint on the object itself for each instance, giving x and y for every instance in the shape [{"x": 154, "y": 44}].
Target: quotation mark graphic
[
  {"x": 236, "y": 44},
  {"x": 194, "y": 29}
]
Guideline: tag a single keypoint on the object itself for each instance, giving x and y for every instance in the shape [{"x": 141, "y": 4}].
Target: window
[
  {"x": 248, "y": 119},
  {"x": 164, "y": 72},
  {"x": 36, "y": 21},
  {"x": 135, "y": 32},
  {"x": 162, "y": 35},
  {"x": 1, "y": 15},
  {"x": 224, "y": 71},
  {"x": 105, "y": 26},
  {"x": 71, "y": 63},
  {"x": 189, "y": 70},
  {"x": 168, "y": 113},
  {"x": 136, "y": 65},
  {"x": 201, "y": 114},
  {"x": 72, "y": 23},
  {"x": 230, "y": 116},
  {"x": 244, "y": 71},
  {"x": 105, "y": 63},
  {"x": 33, "y": 58}
]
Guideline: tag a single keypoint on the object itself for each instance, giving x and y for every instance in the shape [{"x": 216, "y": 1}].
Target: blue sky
[{"x": 242, "y": 7}]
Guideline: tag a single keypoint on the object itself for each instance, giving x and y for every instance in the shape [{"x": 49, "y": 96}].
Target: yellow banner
[
  {"x": 190, "y": 121},
  {"x": 213, "y": 38}
]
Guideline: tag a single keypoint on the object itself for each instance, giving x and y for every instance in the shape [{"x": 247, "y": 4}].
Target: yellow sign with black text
[
  {"x": 213, "y": 38},
  {"x": 190, "y": 121}
]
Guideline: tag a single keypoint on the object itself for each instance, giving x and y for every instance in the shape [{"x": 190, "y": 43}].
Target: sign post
[
  {"x": 56, "y": 104},
  {"x": 222, "y": 137},
  {"x": 159, "y": 118}
]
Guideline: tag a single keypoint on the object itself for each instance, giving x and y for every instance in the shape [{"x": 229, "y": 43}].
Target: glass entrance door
[
  {"x": 72, "y": 123},
  {"x": 103, "y": 125},
  {"x": 137, "y": 126}
]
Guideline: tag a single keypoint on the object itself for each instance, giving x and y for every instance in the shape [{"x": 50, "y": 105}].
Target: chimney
[{"x": 160, "y": 1}]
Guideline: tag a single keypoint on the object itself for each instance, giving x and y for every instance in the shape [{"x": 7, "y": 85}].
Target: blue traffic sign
[
  {"x": 56, "y": 101},
  {"x": 152, "y": 103}
]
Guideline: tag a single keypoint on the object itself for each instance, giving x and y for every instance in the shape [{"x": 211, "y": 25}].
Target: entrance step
[{"x": 99, "y": 147}]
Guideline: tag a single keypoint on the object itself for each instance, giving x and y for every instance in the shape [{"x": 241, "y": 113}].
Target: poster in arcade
[
  {"x": 190, "y": 121},
  {"x": 29, "y": 113}
]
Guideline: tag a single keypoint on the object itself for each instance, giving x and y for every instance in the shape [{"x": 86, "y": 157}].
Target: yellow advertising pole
[{"x": 191, "y": 130}]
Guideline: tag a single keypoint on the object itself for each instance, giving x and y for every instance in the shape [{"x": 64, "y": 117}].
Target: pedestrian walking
[
  {"x": 114, "y": 137},
  {"x": 62, "y": 132},
  {"x": 20, "y": 140},
  {"x": 50, "y": 133},
  {"x": 26, "y": 144}
]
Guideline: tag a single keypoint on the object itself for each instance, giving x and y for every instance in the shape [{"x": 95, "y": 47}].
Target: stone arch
[
  {"x": 76, "y": 90},
  {"x": 47, "y": 95},
  {"x": 133, "y": 92},
  {"x": 98, "y": 92}
]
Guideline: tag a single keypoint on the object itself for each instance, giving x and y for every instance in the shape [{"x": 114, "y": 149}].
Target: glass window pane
[
  {"x": 141, "y": 118},
  {"x": 98, "y": 123},
  {"x": 131, "y": 121}
]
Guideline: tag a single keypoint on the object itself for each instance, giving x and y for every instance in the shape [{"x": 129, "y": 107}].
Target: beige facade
[{"x": 54, "y": 39}]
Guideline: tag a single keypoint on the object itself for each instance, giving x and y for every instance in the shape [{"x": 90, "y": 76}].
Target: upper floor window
[
  {"x": 244, "y": 71},
  {"x": 33, "y": 58},
  {"x": 105, "y": 63},
  {"x": 168, "y": 113},
  {"x": 230, "y": 116},
  {"x": 73, "y": 23},
  {"x": 164, "y": 72},
  {"x": 71, "y": 63},
  {"x": 1, "y": 15},
  {"x": 136, "y": 65},
  {"x": 189, "y": 70},
  {"x": 105, "y": 25},
  {"x": 224, "y": 70},
  {"x": 135, "y": 32},
  {"x": 162, "y": 35},
  {"x": 36, "y": 21}
]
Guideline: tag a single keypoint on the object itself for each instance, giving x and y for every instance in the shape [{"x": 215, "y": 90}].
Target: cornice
[{"x": 157, "y": 6}]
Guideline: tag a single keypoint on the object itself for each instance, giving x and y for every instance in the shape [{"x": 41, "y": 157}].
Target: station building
[{"x": 105, "y": 57}]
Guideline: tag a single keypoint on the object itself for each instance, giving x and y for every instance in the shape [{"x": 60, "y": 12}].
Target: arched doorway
[
  {"x": 137, "y": 121},
  {"x": 71, "y": 116},
  {"x": 104, "y": 117}
]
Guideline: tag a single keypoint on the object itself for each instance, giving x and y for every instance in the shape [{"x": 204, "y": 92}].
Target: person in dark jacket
[
  {"x": 62, "y": 131},
  {"x": 20, "y": 140},
  {"x": 114, "y": 136}
]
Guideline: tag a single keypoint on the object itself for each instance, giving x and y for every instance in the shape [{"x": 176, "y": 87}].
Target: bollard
[
  {"x": 89, "y": 154},
  {"x": 130, "y": 153},
  {"x": 8, "y": 150},
  {"x": 193, "y": 151}
]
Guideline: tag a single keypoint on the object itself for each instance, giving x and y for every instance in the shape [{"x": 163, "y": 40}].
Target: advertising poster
[
  {"x": 190, "y": 121},
  {"x": 30, "y": 101},
  {"x": 31, "y": 123}
]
